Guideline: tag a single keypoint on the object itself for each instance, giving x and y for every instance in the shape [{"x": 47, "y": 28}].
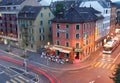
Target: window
[
  {"x": 31, "y": 38},
  {"x": 58, "y": 35},
  {"x": 58, "y": 26},
  {"x": 41, "y": 37},
  {"x": 50, "y": 29},
  {"x": 41, "y": 22},
  {"x": 26, "y": 23},
  {"x": 67, "y": 25},
  {"x": 67, "y": 44},
  {"x": 30, "y": 23},
  {"x": 49, "y": 14},
  {"x": 49, "y": 22},
  {"x": 41, "y": 30},
  {"x": 67, "y": 35},
  {"x": 77, "y": 45},
  {"x": 41, "y": 15},
  {"x": 77, "y": 27},
  {"x": 32, "y": 30},
  {"x": 85, "y": 34},
  {"x": 85, "y": 26},
  {"x": 58, "y": 43},
  {"x": 31, "y": 45},
  {"x": 77, "y": 36}
]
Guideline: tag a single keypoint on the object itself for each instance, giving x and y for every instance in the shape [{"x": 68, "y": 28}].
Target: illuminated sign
[
  {"x": 78, "y": 50},
  {"x": 63, "y": 31},
  {"x": 0, "y": 15}
]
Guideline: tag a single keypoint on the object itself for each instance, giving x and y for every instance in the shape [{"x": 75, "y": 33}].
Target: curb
[{"x": 46, "y": 66}]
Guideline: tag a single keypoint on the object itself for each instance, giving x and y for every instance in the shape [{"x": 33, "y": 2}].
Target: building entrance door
[{"x": 77, "y": 55}]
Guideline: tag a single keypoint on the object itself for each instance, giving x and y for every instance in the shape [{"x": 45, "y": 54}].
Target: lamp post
[{"x": 25, "y": 60}]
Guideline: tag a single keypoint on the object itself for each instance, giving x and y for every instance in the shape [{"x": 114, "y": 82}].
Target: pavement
[{"x": 35, "y": 57}]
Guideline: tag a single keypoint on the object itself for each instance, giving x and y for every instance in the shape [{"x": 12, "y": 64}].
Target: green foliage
[
  {"x": 59, "y": 8},
  {"x": 7, "y": 50},
  {"x": 24, "y": 56},
  {"x": 116, "y": 75}
]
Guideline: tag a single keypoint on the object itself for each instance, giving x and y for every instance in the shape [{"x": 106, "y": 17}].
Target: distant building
[
  {"x": 9, "y": 10},
  {"x": 113, "y": 19},
  {"x": 34, "y": 27},
  {"x": 74, "y": 33},
  {"x": 118, "y": 19},
  {"x": 104, "y": 6}
]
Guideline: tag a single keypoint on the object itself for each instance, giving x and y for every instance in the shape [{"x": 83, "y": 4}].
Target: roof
[
  {"x": 11, "y": 2},
  {"x": 67, "y": 4},
  {"x": 103, "y": 3},
  {"x": 78, "y": 14},
  {"x": 29, "y": 12}
]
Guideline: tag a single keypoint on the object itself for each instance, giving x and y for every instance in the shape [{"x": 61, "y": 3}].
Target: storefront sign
[
  {"x": 63, "y": 31},
  {"x": 78, "y": 50}
]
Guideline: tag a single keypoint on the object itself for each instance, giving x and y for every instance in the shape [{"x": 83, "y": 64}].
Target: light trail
[{"x": 30, "y": 66}]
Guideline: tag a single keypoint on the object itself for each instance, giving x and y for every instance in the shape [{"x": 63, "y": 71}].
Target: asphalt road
[
  {"x": 14, "y": 73},
  {"x": 99, "y": 71}
]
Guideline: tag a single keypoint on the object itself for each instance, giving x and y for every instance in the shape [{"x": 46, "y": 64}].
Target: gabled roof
[
  {"x": 11, "y": 2},
  {"x": 29, "y": 12},
  {"x": 78, "y": 14}
]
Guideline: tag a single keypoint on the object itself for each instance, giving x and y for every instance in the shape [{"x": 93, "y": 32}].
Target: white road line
[
  {"x": 19, "y": 80},
  {"x": 23, "y": 78},
  {"x": 116, "y": 58},
  {"x": 13, "y": 81},
  {"x": 7, "y": 82}
]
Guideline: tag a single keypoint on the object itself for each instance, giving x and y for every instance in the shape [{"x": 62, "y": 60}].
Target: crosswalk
[
  {"x": 104, "y": 65},
  {"x": 18, "y": 79}
]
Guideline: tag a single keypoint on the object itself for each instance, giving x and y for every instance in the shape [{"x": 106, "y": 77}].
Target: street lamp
[
  {"x": 25, "y": 64},
  {"x": 25, "y": 60}
]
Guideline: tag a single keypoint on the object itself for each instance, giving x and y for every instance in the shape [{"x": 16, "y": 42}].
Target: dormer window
[{"x": 108, "y": 3}]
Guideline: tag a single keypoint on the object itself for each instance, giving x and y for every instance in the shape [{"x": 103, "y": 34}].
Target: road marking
[
  {"x": 116, "y": 58},
  {"x": 93, "y": 63},
  {"x": 7, "y": 82},
  {"x": 23, "y": 78},
  {"x": 96, "y": 64},
  {"x": 105, "y": 65},
  {"x": 108, "y": 66},
  {"x": 101, "y": 64},
  {"x": 13, "y": 81},
  {"x": 19, "y": 80},
  {"x": 113, "y": 67}
]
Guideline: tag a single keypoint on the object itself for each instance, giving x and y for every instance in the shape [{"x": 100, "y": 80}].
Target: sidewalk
[{"x": 35, "y": 57}]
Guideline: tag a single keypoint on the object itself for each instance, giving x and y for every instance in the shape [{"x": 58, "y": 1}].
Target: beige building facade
[{"x": 35, "y": 27}]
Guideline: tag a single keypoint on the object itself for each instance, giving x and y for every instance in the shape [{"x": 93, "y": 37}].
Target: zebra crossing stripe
[
  {"x": 7, "y": 82},
  {"x": 105, "y": 65},
  {"x": 23, "y": 78},
  {"x": 93, "y": 63},
  {"x": 13, "y": 81},
  {"x": 101, "y": 64},
  {"x": 113, "y": 67},
  {"x": 96, "y": 64},
  {"x": 108, "y": 66},
  {"x": 19, "y": 80}
]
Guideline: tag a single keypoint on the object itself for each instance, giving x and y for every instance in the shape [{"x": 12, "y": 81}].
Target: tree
[
  {"x": 116, "y": 75},
  {"x": 59, "y": 8}
]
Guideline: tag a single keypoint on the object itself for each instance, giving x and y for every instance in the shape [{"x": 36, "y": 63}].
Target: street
[{"x": 98, "y": 70}]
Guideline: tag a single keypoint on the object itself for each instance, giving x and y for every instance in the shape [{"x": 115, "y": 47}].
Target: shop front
[
  {"x": 62, "y": 51},
  {"x": 78, "y": 54}
]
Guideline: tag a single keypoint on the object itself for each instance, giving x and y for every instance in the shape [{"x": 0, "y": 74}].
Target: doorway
[{"x": 77, "y": 55}]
